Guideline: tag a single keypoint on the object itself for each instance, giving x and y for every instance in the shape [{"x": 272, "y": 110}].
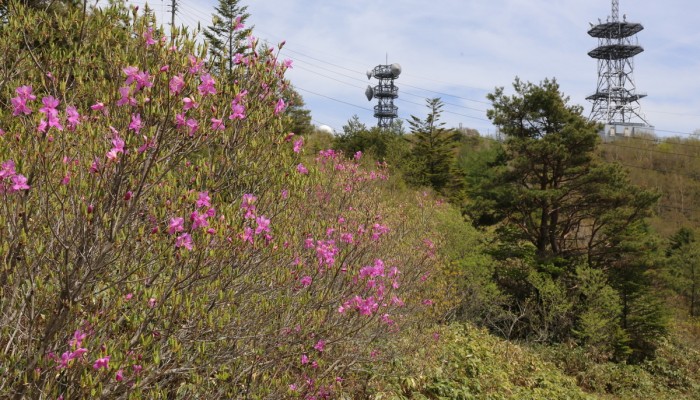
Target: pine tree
[
  {"x": 557, "y": 208},
  {"x": 226, "y": 36},
  {"x": 433, "y": 148}
]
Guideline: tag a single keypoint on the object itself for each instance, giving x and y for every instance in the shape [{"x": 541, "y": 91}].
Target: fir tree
[
  {"x": 433, "y": 148},
  {"x": 226, "y": 36}
]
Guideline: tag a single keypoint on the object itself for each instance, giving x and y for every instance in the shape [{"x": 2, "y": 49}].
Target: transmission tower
[
  {"x": 385, "y": 91},
  {"x": 616, "y": 100}
]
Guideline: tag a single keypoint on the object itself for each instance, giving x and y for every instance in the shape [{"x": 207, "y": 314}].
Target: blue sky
[{"x": 460, "y": 50}]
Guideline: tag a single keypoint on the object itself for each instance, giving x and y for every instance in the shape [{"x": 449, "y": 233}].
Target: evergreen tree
[
  {"x": 226, "y": 36},
  {"x": 433, "y": 148},
  {"x": 297, "y": 116},
  {"x": 557, "y": 208},
  {"x": 683, "y": 257}
]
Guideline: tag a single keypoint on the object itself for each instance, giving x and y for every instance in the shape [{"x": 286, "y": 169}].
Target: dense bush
[{"x": 162, "y": 236}]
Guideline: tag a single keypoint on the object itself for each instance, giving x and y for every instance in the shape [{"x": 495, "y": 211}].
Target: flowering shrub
[{"x": 162, "y": 236}]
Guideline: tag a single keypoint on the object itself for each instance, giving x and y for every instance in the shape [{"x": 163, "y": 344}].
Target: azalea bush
[{"x": 162, "y": 236}]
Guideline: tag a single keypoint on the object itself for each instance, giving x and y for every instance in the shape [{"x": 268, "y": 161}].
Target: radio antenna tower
[
  {"x": 616, "y": 100},
  {"x": 385, "y": 91}
]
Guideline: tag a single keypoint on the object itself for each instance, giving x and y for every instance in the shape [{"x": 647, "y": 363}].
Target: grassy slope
[{"x": 469, "y": 363}]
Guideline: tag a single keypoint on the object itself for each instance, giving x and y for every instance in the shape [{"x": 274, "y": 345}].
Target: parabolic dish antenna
[{"x": 325, "y": 129}]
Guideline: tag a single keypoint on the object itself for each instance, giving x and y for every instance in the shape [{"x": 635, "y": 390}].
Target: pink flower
[
  {"x": 237, "y": 58},
  {"x": 189, "y": 103},
  {"x": 79, "y": 352},
  {"x": 73, "y": 117},
  {"x": 320, "y": 345},
  {"x": 280, "y": 106},
  {"x": 147, "y": 144},
  {"x": 119, "y": 376},
  {"x": 304, "y": 359},
  {"x": 130, "y": 73},
  {"x": 184, "y": 240},
  {"x": 50, "y": 104},
  {"x": 176, "y": 84},
  {"x": 347, "y": 238},
  {"x": 148, "y": 37},
  {"x": 97, "y": 106},
  {"x": 66, "y": 179},
  {"x": 198, "y": 220},
  {"x": 95, "y": 166},
  {"x": 152, "y": 302},
  {"x": 287, "y": 63},
  {"x": 326, "y": 252},
  {"x": 207, "y": 86},
  {"x": 179, "y": 120},
  {"x": 125, "y": 98},
  {"x": 203, "y": 200},
  {"x": 238, "y": 111},
  {"x": 136, "y": 124},
  {"x": 378, "y": 230},
  {"x": 7, "y": 169},
  {"x": 263, "y": 225},
  {"x": 128, "y": 296},
  {"x": 217, "y": 124},
  {"x": 192, "y": 126},
  {"x": 137, "y": 369},
  {"x": 143, "y": 79},
  {"x": 101, "y": 363},
  {"x": 117, "y": 147},
  {"x": 164, "y": 68},
  {"x": 306, "y": 281},
  {"x": 19, "y": 182},
  {"x": 302, "y": 169},
  {"x": 20, "y": 106},
  {"x": 397, "y": 301},
  {"x": 358, "y": 155},
  {"x": 195, "y": 64},
  {"x": 298, "y": 144},
  {"x": 25, "y": 92},
  {"x": 237, "y": 24},
  {"x": 247, "y": 235},
  {"x": 247, "y": 204},
  {"x": 78, "y": 337},
  {"x": 176, "y": 225}
]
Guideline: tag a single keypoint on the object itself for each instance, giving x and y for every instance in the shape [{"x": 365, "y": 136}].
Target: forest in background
[{"x": 174, "y": 227}]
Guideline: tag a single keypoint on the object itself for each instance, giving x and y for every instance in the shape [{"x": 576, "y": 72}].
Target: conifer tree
[
  {"x": 433, "y": 148},
  {"x": 557, "y": 208},
  {"x": 226, "y": 36}
]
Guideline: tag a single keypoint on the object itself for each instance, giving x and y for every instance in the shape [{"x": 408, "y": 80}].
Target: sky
[{"x": 460, "y": 50}]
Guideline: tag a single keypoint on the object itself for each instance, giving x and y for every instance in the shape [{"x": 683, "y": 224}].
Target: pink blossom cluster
[
  {"x": 378, "y": 230},
  {"x": 326, "y": 251},
  {"x": 19, "y": 103},
  {"x": 49, "y": 110},
  {"x": 76, "y": 352},
  {"x": 10, "y": 180},
  {"x": 262, "y": 223},
  {"x": 199, "y": 219},
  {"x": 237, "y": 106}
]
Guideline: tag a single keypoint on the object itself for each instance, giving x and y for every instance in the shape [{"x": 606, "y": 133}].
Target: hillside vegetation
[{"x": 171, "y": 226}]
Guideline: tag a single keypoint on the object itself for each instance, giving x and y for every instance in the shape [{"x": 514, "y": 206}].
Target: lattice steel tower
[
  {"x": 616, "y": 100},
  {"x": 385, "y": 111}
]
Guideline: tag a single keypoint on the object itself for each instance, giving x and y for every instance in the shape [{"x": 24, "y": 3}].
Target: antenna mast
[
  {"x": 616, "y": 100},
  {"x": 385, "y": 111}
]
